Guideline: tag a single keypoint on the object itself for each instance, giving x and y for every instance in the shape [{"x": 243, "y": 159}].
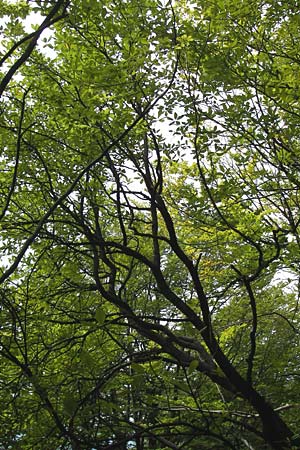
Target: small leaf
[
  {"x": 137, "y": 368},
  {"x": 182, "y": 386},
  {"x": 193, "y": 365},
  {"x": 100, "y": 316},
  {"x": 137, "y": 379},
  {"x": 86, "y": 358},
  {"x": 70, "y": 404}
]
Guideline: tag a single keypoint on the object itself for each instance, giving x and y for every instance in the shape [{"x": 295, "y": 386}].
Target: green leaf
[
  {"x": 138, "y": 368},
  {"x": 69, "y": 404},
  {"x": 137, "y": 380},
  {"x": 182, "y": 386},
  {"x": 86, "y": 358},
  {"x": 193, "y": 365},
  {"x": 100, "y": 315}
]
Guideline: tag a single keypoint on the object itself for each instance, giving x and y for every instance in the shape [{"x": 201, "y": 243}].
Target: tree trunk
[{"x": 275, "y": 431}]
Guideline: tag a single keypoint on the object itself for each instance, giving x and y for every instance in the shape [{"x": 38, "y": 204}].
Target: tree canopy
[{"x": 149, "y": 237}]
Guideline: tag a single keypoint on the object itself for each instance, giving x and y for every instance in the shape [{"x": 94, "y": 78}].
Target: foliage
[{"x": 149, "y": 215}]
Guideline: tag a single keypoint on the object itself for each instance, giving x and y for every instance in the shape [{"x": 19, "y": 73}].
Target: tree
[{"x": 149, "y": 225}]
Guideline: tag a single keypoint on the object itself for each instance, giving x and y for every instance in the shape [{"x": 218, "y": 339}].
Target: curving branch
[
  {"x": 18, "y": 150},
  {"x": 34, "y": 37},
  {"x": 83, "y": 172}
]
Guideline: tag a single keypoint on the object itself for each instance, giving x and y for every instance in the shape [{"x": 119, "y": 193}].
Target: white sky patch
[
  {"x": 33, "y": 20},
  {"x": 45, "y": 43},
  {"x": 288, "y": 280}
]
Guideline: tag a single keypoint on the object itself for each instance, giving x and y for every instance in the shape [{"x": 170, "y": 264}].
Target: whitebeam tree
[{"x": 149, "y": 211}]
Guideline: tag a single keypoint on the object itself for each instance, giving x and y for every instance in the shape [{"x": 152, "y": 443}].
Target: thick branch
[
  {"x": 86, "y": 169},
  {"x": 23, "y": 58}
]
